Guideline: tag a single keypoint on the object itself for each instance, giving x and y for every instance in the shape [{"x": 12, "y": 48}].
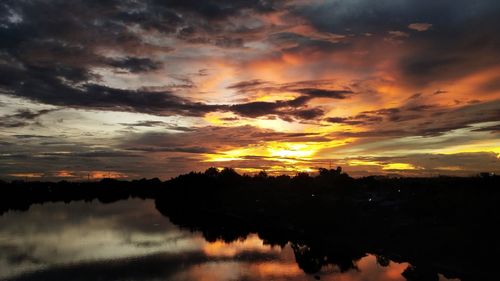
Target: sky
[{"x": 131, "y": 89}]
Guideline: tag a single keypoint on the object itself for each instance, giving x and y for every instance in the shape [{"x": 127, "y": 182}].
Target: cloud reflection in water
[{"x": 131, "y": 240}]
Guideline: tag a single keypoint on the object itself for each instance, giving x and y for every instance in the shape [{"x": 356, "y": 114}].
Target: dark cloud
[
  {"x": 308, "y": 114},
  {"x": 421, "y": 107},
  {"x": 112, "y": 17},
  {"x": 368, "y": 17},
  {"x": 219, "y": 9},
  {"x": 191, "y": 149},
  {"x": 322, "y": 93},
  {"x": 251, "y": 84},
  {"x": 375, "y": 134},
  {"x": 97, "y": 154},
  {"x": 59, "y": 84},
  {"x": 51, "y": 64},
  {"x": 146, "y": 123},
  {"x": 61, "y": 155},
  {"x": 461, "y": 41},
  {"x": 286, "y": 110},
  {"x": 136, "y": 64},
  {"x": 152, "y": 123},
  {"x": 30, "y": 115},
  {"x": 415, "y": 96},
  {"x": 230, "y": 119},
  {"x": 70, "y": 36},
  {"x": 51, "y": 53},
  {"x": 419, "y": 120},
  {"x": 311, "y": 88},
  {"x": 439, "y": 92},
  {"x": 64, "y": 78},
  {"x": 342, "y": 120},
  {"x": 364, "y": 118},
  {"x": 33, "y": 137},
  {"x": 256, "y": 109},
  {"x": 23, "y": 117},
  {"x": 13, "y": 124},
  {"x": 289, "y": 109},
  {"x": 293, "y": 43},
  {"x": 228, "y": 42},
  {"x": 42, "y": 84}
]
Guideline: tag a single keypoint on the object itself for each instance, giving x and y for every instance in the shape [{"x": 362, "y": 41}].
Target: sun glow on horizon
[
  {"x": 383, "y": 165},
  {"x": 284, "y": 152}
]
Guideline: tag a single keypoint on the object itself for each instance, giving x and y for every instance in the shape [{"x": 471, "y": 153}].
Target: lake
[{"x": 131, "y": 240}]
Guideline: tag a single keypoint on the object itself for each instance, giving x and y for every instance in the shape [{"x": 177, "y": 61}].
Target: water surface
[{"x": 131, "y": 240}]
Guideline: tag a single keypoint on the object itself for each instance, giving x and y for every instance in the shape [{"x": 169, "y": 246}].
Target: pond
[{"x": 131, "y": 240}]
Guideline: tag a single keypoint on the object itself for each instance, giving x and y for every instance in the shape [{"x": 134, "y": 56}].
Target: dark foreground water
[{"x": 131, "y": 240}]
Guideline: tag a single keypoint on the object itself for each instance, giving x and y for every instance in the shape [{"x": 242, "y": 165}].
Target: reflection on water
[{"x": 131, "y": 240}]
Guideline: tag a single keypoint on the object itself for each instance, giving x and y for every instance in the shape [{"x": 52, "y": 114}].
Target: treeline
[
  {"x": 20, "y": 195},
  {"x": 330, "y": 185},
  {"x": 442, "y": 225},
  {"x": 440, "y": 198}
]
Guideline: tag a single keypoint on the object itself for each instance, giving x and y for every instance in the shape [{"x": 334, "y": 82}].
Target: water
[{"x": 131, "y": 240}]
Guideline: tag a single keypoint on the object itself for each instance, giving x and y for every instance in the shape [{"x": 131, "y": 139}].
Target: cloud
[
  {"x": 146, "y": 123},
  {"x": 459, "y": 163},
  {"x": 286, "y": 109},
  {"x": 322, "y": 93},
  {"x": 245, "y": 85},
  {"x": 214, "y": 138},
  {"x": 420, "y": 26},
  {"x": 398, "y": 34},
  {"x": 154, "y": 123},
  {"x": 308, "y": 114},
  {"x": 221, "y": 9},
  {"x": 459, "y": 45},
  {"x": 191, "y": 149},
  {"x": 342, "y": 120},
  {"x": 439, "y": 92},
  {"x": 256, "y": 109},
  {"x": 53, "y": 61},
  {"x": 418, "y": 119},
  {"x": 492, "y": 85},
  {"x": 308, "y": 42},
  {"x": 23, "y": 117},
  {"x": 495, "y": 129},
  {"x": 423, "y": 164},
  {"x": 43, "y": 84},
  {"x": 228, "y": 42},
  {"x": 96, "y": 154},
  {"x": 135, "y": 64}
]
